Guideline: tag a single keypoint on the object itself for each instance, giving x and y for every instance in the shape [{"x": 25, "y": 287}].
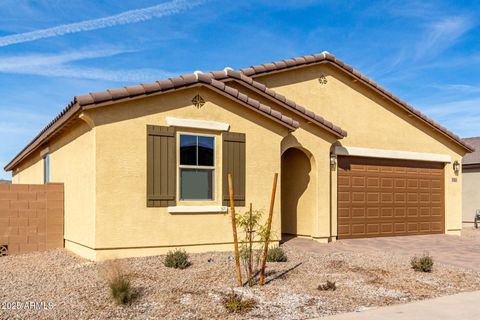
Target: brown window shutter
[
  {"x": 233, "y": 162},
  {"x": 161, "y": 166}
]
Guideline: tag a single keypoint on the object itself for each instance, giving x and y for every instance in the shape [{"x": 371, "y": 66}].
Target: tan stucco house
[
  {"x": 471, "y": 182},
  {"x": 144, "y": 167}
]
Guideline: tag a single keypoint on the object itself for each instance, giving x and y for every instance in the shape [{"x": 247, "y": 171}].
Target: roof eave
[
  {"x": 331, "y": 60},
  {"x": 75, "y": 108},
  {"x": 339, "y": 133}
]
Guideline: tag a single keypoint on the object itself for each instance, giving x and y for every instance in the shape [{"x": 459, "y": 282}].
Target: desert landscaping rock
[{"x": 77, "y": 290}]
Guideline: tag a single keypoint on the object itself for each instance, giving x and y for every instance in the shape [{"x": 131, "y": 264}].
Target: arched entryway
[{"x": 297, "y": 194}]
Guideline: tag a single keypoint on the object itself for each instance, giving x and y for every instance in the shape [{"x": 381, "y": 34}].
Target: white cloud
[
  {"x": 459, "y": 88},
  {"x": 462, "y": 116},
  {"x": 442, "y": 34},
  {"x": 57, "y": 65},
  {"x": 127, "y": 17}
]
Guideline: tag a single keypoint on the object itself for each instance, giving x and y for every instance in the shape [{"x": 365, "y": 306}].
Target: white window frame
[{"x": 213, "y": 168}]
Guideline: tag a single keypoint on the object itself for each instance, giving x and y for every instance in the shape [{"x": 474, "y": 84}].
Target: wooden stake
[
  {"x": 269, "y": 228},
  {"x": 250, "y": 251},
  {"x": 234, "y": 228}
]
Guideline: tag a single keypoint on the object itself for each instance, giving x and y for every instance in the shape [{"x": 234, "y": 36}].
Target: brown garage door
[{"x": 384, "y": 197}]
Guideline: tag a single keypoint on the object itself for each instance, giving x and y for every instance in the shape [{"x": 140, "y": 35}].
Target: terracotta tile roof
[
  {"x": 326, "y": 57},
  {"x": 289, "y": 104},
  {"x": 113, "y": 95},
  {"x": 75, "y": 107},
  {"x": 474, "y": 157}
]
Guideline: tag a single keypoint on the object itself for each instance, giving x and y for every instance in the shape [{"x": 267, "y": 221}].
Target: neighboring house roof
[
  {"x": 474, "y": 157},
  {"x": 326, "y": 57}
]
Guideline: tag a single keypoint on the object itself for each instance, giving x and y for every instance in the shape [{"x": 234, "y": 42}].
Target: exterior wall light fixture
[
  {"x": 333, "y": 159},
  {"x": 456, "y": 166}
]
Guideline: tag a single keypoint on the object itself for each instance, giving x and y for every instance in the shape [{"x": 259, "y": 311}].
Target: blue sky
[{"x": 426, "y": 52}]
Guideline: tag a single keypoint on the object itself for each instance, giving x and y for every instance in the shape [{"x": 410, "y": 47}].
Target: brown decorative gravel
[{"x": 77, "y": 290}]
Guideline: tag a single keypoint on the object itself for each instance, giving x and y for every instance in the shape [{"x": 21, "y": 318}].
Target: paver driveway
[{"x": 462, "y": 251}]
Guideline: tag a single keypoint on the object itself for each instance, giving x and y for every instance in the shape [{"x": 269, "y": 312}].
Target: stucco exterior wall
[
  {"x": 124, "y": 225},
  {"x": 72, "y": 162},
  {"x": 316, "y": 143},
  {"x": 30, "y": 172},
  {"x": 471, "y": 195},
  {"x": 371, "y": 122}
]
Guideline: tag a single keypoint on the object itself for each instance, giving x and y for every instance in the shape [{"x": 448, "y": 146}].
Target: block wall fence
[{"x": 31, "y": 217}]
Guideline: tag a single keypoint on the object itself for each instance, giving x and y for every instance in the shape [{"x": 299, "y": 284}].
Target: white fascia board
[
  {"x": 198, "y": 124},
  {"x": 391, "y": 154},
  {"x": 197, "y": 209}
]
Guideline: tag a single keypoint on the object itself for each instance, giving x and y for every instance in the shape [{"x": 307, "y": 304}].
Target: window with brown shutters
[
  {"x": 161, "y": 166},
  {"x": 233, "y": 162}
]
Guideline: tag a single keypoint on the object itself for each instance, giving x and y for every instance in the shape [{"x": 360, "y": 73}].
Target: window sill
[{"x": 197, "y": 209}]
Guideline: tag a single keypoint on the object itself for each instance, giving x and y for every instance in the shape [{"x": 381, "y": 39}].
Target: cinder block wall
[{"x": 31, "y": 217}]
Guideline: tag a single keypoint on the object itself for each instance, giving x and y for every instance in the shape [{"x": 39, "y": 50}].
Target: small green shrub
[
  {"x": 177, "y": 259},
  {"x": 328, "y": 286},
  {"x": 236, "y": 303},
  {"x": 118, "y": 281},
  {"x": 423, "y": 263},
  {"x": 276, "y": 254}
]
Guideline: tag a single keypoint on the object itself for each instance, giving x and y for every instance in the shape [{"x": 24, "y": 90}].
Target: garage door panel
[
  {"x": 386, "y": 228},
  {"x": 387, "y": 212},
  {"x": 386, "y": 182},
  {"x": 344, "y": 181},
  {"x": 358, "y": 182},
  {"x": 412, "y": 227},
  {"x": 400, "y": 183},
  {"x": 436, "y": 211},
  {"x": 357, "y": 229},
  {"x": 343, "y": 197},
  {"x": 412, "y": 212},
  {"x": 373, "y": 228},
  {"x": 343, "y": 213},
  {"x": 400, "y": 227},
  {"x": 400, "y": 212},
  {"x": 373, "y": 213},
  {"x": 412, "y": 197},
  {"x": 373, "y": 197},
  {"x": 373, "y": 182},
  {"x": 400, "y": 198},
  {"x": 387, "y": 198},
  {"x": 384, "y": 197},
  {"x": 358, "y": 197},
  {"x": 358, "y": 213},
  {"x": 344, "y": 229},
  {"x": 436, "y": 227}
]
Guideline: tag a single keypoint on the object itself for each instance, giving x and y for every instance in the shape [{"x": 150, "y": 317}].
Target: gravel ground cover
[{"x": 75, "y": 288}]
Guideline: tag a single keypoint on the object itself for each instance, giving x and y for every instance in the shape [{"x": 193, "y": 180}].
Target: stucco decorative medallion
[
  {"x": 198, "y": 101},
  {"x": 322, "y": 80}
]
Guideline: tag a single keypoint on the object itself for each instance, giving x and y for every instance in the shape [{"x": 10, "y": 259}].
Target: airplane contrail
[{"x": 127, "y": 17}]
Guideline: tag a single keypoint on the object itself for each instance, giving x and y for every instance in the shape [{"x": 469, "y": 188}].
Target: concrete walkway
[{"x": 462, "y": 306}]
